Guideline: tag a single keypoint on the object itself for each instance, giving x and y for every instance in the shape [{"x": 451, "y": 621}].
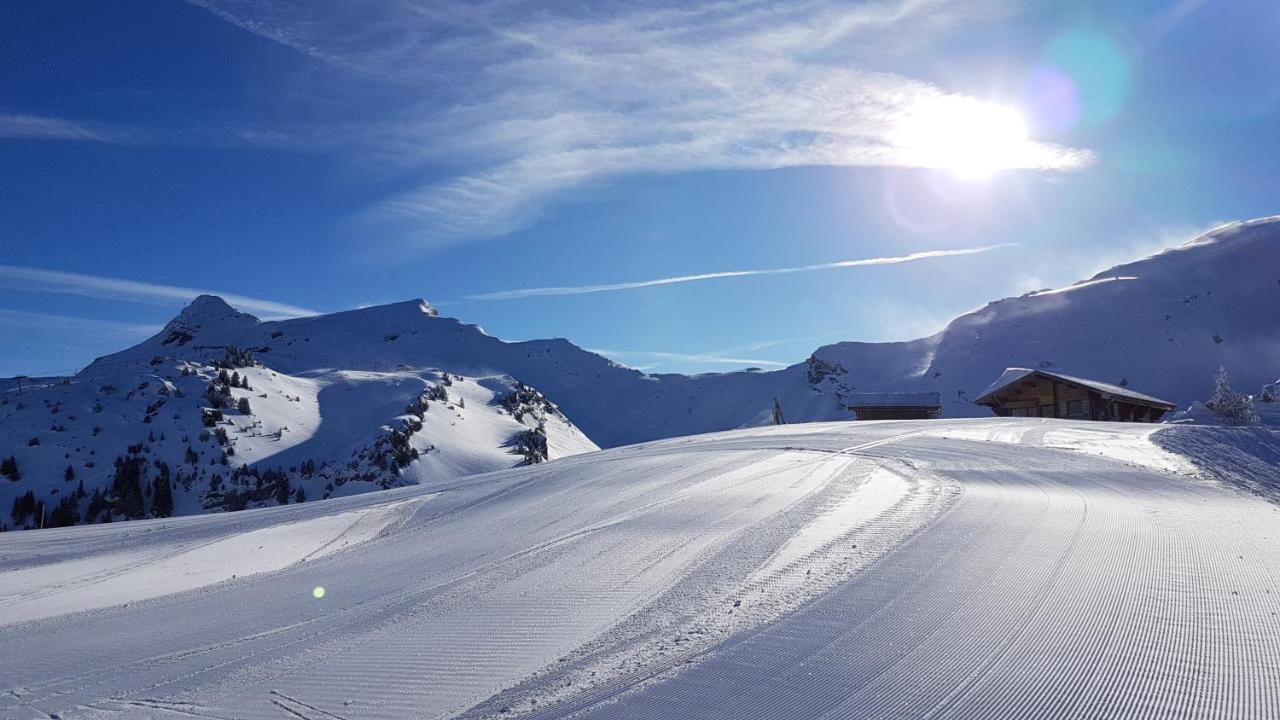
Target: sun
[{"x": 971, "y": 138}]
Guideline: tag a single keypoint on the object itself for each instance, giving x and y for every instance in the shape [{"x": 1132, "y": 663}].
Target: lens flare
[
  {"x": 1098, "y": 69},
  {"x": 1052, "y": 99},
  {"x": 318, "y": 592}
]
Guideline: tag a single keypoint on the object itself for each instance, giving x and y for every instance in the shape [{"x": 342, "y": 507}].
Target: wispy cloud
[
  {"x": 197, "y": 134},
  {"x": 52, "y": 281},
  {"x": 686, "y": 357},
  {"x": 613, "y": 287},
  {"x": 36, "y": 127},
  {"x": 111, "y": 328},
  {"x": 525, "y": 103}
]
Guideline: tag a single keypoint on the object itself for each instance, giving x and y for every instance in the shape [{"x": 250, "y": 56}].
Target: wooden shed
[
  {"x": 1022, "y": 392},
  {"x": 895, "y": 406}
]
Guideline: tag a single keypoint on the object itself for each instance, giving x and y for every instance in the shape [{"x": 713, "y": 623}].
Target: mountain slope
[
  {"x": 1162, "y": 325},
  {"x": 179, "y": 425}
]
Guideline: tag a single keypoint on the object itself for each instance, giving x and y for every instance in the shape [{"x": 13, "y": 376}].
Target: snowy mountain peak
[
  {"x": 206, "y": 312},
  {"x": 210, "y": 308}
]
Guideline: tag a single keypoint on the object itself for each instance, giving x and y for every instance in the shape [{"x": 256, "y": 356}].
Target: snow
[
  {"x": 1244, "y": 457},
  {"x": 966, "y": 568},
  {"x": 327, "y": 416},
  {"x": 1081, "y": 285},
  {"x": 163, "y": 568},
  {"x": 1132, "y": 445}
]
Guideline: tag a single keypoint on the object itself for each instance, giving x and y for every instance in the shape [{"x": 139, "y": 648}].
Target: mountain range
[{"x": 397, "y": 394}]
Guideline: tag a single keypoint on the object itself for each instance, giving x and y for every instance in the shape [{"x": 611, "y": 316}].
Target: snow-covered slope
[
  {"x": 1162, "y": 325},
  {"x": 184, "y": 423},
  {"x": 994, "y": 568}
]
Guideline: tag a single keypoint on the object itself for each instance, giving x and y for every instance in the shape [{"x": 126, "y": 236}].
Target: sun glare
[{"x": 971, "y": 138}]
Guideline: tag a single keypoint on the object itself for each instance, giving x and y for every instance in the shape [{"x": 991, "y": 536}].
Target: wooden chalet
[
  {"x": 895, "y": 406},
  {"x": 1021, "y": 392}
]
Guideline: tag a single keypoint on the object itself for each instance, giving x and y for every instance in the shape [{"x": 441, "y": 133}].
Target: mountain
[
  {"x": 189, "y": 422},
  {"x": 1162, "y": 325}
]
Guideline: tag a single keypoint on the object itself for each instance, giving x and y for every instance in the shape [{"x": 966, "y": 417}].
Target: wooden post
[{"x": 1056, "y": 414}]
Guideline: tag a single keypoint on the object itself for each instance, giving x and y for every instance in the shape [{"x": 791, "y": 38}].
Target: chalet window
[{"x": 1075, "y": 408}]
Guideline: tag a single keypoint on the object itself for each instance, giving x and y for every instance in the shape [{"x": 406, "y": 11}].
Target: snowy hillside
[
  {"x": 953, "y": 568},
  {"x": 329, "y": 388},
  {"x": 199, "y": 427},
  {"x": 1163, "y": 325}
]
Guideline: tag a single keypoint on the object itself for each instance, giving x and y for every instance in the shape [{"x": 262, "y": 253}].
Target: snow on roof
[
  {"x": 917, "y": 399},
  {"x": 1013, "y": 375}
]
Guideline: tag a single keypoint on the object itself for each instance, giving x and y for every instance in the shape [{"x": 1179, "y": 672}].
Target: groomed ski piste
[{"x": 951, "y": 569}]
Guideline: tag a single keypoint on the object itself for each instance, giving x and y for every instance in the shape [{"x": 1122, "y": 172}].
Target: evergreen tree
[
  {"x": 24, "y": 506},
  {"x": 162, "y": 501},
  {"x": 126, "y": 487},
  {"x": 1233, "y": 407},
  {"x": 243, "y": 406},
  {"x": 96, "y": 505},
  {"x": 283, "y": 490},
  {"x": 65, "y": 514},
  {"x": 69, "y": 474}
]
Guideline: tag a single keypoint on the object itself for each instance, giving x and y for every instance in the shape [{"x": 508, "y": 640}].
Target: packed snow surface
[{"x": 954, "y": 568}]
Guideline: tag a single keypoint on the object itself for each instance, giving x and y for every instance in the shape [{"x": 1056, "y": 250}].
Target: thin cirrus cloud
[
  {"x": 110, "y": 328},
  {"x": 527, "y": 103},
  {"x": 686, "y": 357},
  {"x": 16, "y": 277},
  {"x": 678, "y": 279},
  {"x": 38, "y": 127}
]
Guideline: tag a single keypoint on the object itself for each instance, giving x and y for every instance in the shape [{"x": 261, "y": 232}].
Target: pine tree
[
  {"x": 162, "y": 501},
  {"x": 126, "y": 487},
  {"x": 283, "y": 490},
  {"x": 69, "y": 474},
  {"x": 243, "y": 406},
  {"x": 9, "y": 468},
  {"x": 1233, "y": 407},
  {"x": 23, "y": 507},
  {"x": 96, "y": 505},
  {"x": 66, "y": 513}
]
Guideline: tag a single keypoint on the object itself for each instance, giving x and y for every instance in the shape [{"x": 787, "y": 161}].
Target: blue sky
[{"x": 316, "y": 156}]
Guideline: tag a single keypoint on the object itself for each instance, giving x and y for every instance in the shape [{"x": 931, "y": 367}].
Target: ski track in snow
[{"x": 971, "y": 569}]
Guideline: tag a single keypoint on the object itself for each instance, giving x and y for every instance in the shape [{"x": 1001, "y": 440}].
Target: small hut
[
  {"x": 1022, "y": 392},
  {"x": 895, "y": 406}
]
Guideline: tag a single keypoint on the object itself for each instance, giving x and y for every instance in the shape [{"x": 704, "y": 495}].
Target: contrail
[{"x": 612, "y": 287}]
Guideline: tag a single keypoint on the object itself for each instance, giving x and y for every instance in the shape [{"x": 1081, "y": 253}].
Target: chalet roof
[
  {"x": 916, "y": 399},
  {"x": 1014, "y": 375}
]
